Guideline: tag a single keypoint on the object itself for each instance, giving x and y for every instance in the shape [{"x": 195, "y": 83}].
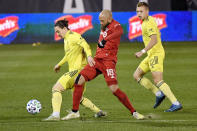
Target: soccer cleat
[
  {"x": 174, "y": 108},
  {"x": 51, "y": 118},
  {"x": 138, "y": 116},
  {"x": 71, "y": 115},
  {"x": 159, "y": 99},
  {"x": 100, "y": 114}
]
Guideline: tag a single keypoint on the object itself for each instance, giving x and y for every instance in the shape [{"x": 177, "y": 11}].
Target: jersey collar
[{"x": 67, "y": 34}]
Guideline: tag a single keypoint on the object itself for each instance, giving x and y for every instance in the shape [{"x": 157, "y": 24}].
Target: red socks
[
  {"x": 124, "y": 100},
  {"x": 77, "y": 94}
]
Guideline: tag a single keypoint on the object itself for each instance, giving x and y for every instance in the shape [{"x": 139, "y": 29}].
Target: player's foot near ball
[
  {"x": 138, "y": 116},
  {"x": 71, "y": 115},
  {"x": 174, "y": 108},
  {"x": 51, "y": 118},
  {"x": 100, "y": 114}
]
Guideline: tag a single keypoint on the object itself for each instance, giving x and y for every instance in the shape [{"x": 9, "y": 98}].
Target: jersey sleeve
[
  {"x": 64, "y": 59},
  {"x": 151, "y": 28},
  {"x": 82, "y": 42},
  {"x": 117, "y": 32}
]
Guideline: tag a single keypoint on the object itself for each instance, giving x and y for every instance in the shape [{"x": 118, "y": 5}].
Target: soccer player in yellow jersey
[
  {"x": 154, "y": 60},
  {"x": 77, "y": 53}
]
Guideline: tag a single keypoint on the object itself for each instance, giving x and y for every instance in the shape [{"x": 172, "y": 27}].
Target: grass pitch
[{"x": 26, "y": 72}]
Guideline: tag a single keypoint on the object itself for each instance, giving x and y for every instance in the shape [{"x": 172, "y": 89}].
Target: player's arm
[
  {"x": 117, "y": 32},
  {"x": 152, "y": 42},
  {"x": 82, "y": 42},
  {"x": 58, "y": 66},
  {"x": 152, "y": 33}
]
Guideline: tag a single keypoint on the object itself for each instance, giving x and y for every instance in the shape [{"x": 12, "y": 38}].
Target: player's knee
[
  {"x": 80, "y": 80},
  {"x": 156, "y": 81},
  {"x": 57, "y": 87},
  {"x": 113, "y": 88},
  {"x": 136, "y": 76}
]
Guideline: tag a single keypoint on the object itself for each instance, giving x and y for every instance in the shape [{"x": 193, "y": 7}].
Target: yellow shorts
[
  {"x": 153, "y": 63},
  {"x": 68, "y": 79}
]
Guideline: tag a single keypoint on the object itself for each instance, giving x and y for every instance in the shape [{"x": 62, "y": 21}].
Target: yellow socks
[
  {"x": 166, "y": 90},
  {"x": 88, "y": 104},
  {"x": 56, "y": 101},
  {"x": 148, "y": 85}
]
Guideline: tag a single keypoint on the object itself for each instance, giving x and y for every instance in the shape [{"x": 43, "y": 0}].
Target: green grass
[{"x": 26, "y": 73}]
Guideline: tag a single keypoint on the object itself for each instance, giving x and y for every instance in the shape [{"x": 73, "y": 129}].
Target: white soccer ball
[{"x": 34, "y": 106}]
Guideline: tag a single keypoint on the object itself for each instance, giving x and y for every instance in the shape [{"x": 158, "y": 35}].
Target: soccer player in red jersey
[{"x": 104, "y": 63}]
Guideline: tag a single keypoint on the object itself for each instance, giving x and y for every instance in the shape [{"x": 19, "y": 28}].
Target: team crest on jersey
[
  {"x": 135, "y": 24},
  {"x": 104, "y": 33}
]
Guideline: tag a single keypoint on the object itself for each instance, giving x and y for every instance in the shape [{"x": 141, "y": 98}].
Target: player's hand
[
  {"x": 138, "y": 54},
  {"x": 102, "y": 43},
  {"x": 57, "y": 68},
  {"x": 91, "y": 61}
]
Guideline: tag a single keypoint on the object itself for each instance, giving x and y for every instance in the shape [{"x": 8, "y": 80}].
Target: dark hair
[
  {"x": 143, "y": 4},
  {"x": 62, "y": 23}
]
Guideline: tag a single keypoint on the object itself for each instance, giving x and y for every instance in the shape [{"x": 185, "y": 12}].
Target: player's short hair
[
  {"x": 140, "y": 4},
  {"x": 62, "y": 23}
]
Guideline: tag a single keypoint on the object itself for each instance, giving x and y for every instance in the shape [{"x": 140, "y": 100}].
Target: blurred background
[{"x": 28, "y": 21}]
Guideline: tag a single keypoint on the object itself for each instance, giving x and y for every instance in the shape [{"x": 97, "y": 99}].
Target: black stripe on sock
[{"x": 160, "y": 83}]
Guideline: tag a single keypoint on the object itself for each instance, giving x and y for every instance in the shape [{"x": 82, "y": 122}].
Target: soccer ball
[{"x": 34, "y": 106}]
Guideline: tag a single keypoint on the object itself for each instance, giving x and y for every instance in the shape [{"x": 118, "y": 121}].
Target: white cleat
[
  {"x": 51, "y": 118},
  {"x": 71, "y": 115},
  {"x": 138, "y": 116}
]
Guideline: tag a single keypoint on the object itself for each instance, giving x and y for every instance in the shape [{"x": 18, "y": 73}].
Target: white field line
[{"x": 89, "y": 121}]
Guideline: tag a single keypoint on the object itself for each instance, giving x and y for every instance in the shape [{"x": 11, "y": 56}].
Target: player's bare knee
[
  {"x": 156, "y": 81},
  {"x": 80, "y": 80},
  {"x": 113, "y": 88},
  {"x": 57, "y": 87},
  {"x": 136, "y": 76}
]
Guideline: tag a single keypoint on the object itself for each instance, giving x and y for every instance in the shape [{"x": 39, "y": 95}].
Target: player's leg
[
  {"x": 56, "y": 102},
  {"x": 87, "y": 74},
  {"x": 90, "y": 105},
  {"x": 145, "y": 82},
  {"x": 109, "y": 72},
  {"x": 156, "y": 67},
  {"x": 158, "y": 79},
  {"x": 124, "y": 100},
  {"x": 138, "y": 75},
  {"x": 77, "y": 95},
  {"x": 62, "y": 84}
]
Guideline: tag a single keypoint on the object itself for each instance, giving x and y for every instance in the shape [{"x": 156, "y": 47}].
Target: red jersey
[{"x": 111, "y": 35}]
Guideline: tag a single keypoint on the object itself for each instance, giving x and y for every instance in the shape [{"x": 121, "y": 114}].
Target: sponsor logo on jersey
[
  {"x": 8, "y": 25},
  {"x": 135, "y": 24},
  {"x": 80, "y": 24}
]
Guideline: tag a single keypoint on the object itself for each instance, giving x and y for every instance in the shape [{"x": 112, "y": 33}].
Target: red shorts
[{"x": 107, "y": 68}]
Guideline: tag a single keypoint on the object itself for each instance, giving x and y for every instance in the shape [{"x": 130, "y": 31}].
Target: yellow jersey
[
  {"x": 149, "y": 27},
  {"x": 76, "y": 51}
]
